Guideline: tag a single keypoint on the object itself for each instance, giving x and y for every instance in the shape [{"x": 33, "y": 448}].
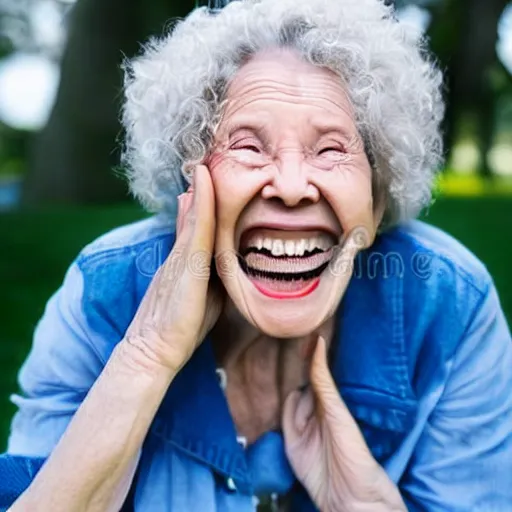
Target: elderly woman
[{"x": 290, "y": 331}]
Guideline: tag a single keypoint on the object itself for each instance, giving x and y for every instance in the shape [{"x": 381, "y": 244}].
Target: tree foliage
[
  {"x": 463, "y": 35},
  {"x": 75, "y": 154},
  {"x": 77, "y": 151}
]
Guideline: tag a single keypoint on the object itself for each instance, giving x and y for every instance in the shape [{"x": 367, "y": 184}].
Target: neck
[
  {"x": 233, "y": 337},
  {"x": 261, "y": 370}
]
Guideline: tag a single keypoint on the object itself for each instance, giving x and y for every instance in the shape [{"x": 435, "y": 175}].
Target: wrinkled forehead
[{"x": 282, "y": 79}]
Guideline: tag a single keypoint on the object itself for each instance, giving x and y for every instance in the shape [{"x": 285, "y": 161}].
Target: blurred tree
[
  {"x": 18, "y": 33},
  {"x": 75, "y": 154},
  {"x": 15, "y": 27},
  {"x": 463, "y": 34},
  {"x": 21, "y": 31},
  {"x": 14, "y": 145}
]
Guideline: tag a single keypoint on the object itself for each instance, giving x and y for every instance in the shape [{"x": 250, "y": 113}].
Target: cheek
[
  {"x": 231, "y": 176},
  {"x": 234, "y": 187},
  {"x": 225, "y": 196},
  {"x": 349, "y": 192},
  {"x": 225, "y": 172}
]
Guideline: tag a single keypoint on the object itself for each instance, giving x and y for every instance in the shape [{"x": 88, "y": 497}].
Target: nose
[{"x": 290, "y": 182}]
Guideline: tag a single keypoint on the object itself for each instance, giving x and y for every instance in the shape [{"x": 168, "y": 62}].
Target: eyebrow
[
  {"x": 320, "y": 124},
  {"x": 323, "y": 126},
  {"x": 249, "y": 124}
]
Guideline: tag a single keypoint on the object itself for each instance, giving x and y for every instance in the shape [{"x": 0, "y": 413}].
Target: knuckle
[
  {"x": 140, "y": 354},
  {"x": 152, "y": 347},
  {"x": 199, "y": 264}
]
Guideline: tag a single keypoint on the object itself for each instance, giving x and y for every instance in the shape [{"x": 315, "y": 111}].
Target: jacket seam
[
  {"x": 460, "y": 270},
  {"x": 88, "y": 329},
  {"x": 483, "y": 296},
  {"x": 85, "y": 259},
  {"x": 398, "y": 338}
]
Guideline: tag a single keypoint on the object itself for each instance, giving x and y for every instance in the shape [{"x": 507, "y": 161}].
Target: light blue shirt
[{"x": 422, "y": 356}]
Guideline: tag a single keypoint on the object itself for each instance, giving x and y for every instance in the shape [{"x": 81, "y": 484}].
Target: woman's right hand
[{"x": 181, "y": 304}]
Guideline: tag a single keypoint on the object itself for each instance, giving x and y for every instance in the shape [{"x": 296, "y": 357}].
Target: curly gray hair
[{"x": 174, "y": 92}]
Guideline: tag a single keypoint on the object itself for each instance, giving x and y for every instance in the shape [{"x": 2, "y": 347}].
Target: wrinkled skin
[
  {"x": 182, "y": 303},
  {"x": 287, "y": 153},
  {"x": 328, "y": 452}
]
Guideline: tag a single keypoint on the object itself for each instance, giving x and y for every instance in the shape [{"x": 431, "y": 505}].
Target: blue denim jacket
[{"x": 422, "y": 357}]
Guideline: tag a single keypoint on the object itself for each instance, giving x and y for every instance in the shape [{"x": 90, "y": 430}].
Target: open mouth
[{"x": 285, "y": 263}]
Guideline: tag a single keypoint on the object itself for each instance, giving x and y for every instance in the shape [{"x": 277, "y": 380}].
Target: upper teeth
[{"x": 291, "y": 247}]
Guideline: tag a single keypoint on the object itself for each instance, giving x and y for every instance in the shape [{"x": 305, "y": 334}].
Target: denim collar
[{"x": 194, "y": 417}]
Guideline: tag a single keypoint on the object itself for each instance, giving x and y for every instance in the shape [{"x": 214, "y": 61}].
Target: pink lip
[{"x": 307, "y": 290}]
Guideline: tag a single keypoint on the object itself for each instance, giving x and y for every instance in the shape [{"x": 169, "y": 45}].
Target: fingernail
[
  {"x": 190, "y": 201},
  {"x": 194, "y": 177},
  {"x": 184, "y": 206},
  {"x": 179, "y": 217},
  {"x": 193, "y": 188}
]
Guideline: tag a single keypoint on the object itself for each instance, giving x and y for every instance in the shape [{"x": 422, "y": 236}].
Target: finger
[
  {"x": 186, "y": 271},
  {"x": 180, "y": 219},
  {"x": 321, "y": 379},
  {"x": 184, "y": 205},
  {"x": 298, "y": 411},
  {"x": 202, "y": 212},
  {"x": 330, "y": 404},
  {"x": 195, "y": 230}
]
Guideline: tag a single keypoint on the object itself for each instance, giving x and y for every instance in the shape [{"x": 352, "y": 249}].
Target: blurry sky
[{"x": 28, "y": 83}]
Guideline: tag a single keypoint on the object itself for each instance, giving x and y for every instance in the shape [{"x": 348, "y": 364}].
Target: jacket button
[
  {"x": 231, "y": 484},
  {"x": 222, "y": 377}
]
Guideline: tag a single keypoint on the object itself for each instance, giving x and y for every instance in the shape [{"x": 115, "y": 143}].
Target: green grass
[
  {"x": 35, "y": 250},
  {"x": 455, "y": 184},
  {"x": 37, "y": 247}
]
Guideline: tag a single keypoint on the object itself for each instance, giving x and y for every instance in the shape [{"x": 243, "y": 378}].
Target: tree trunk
[
  {"x": 76, "y": 153},
  {"x": 464, "y": 35},
  {"x": 478, "y": 58},
  {"x": 444, "y": 33}
]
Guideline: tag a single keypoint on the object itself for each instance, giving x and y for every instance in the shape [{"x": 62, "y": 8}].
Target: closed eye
[
  {"x": 329, "y": 149},
  {"x": 247, "y": 146}
]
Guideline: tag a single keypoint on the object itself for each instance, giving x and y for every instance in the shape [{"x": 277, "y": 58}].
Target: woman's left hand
[{"x": 327, "y": 451}]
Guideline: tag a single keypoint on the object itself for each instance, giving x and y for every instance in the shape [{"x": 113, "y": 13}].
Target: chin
[{"x": 289, "y": 291}]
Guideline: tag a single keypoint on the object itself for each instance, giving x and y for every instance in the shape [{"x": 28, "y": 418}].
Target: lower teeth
[
  {"x": 280, "y": 276},
  {"x": 282, "y": 286}
]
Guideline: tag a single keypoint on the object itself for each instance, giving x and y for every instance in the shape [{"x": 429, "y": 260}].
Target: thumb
[
  {"x": 327, "y": 395},
  {"x": 298, "y": 411},
  {"x": 331, "y": 406}
]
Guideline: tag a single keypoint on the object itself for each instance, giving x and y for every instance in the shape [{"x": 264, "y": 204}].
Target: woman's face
[{"x": 292, "y": 181}]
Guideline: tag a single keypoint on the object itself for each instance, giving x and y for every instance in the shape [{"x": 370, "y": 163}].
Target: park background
[{"x": 60, "y": 138}]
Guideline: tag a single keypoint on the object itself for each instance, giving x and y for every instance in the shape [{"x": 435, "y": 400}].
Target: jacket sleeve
[
  {"x": 463, "y": 460},
  {"x": 16, "y": 474},
  {"x": 66, "y": 358}
]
